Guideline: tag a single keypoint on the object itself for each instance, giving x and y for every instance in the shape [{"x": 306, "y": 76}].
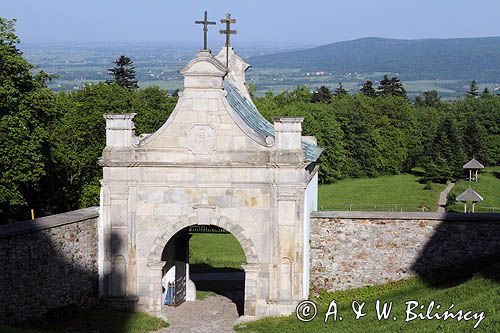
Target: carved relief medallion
[{"x": 202, "y": 139}]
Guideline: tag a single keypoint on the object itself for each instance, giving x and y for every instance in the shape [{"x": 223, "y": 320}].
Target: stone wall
[
  {"x": 355, "y": 249},
  {"x": 48, "y": 265}
]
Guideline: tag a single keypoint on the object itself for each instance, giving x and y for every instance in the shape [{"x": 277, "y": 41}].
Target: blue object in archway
[{"x": 170, "y": 294}]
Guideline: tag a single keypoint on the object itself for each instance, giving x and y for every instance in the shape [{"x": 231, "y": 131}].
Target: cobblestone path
[{"x": 214, "y": 314}]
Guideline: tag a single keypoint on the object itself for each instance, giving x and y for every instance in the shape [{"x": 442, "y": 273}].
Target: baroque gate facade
[{"x": 215, "y": 161}]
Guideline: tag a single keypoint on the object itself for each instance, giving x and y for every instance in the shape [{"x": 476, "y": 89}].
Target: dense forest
[{"x": 51, "y": 141}]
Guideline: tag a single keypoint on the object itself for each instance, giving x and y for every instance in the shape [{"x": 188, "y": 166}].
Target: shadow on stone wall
[
  {"x": 47, "y": 272},
  {"x": 458, "y": 250},
  {"x": 49, "y": 277}
]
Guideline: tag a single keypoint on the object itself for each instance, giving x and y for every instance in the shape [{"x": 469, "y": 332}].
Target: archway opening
[{"x": 203, "y": 261}]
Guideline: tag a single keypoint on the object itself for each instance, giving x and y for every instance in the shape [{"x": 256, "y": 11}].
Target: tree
[
  {"x": 486, "y": 114},
  {"x": 25, "y": 118},
  {"x": 486, "y": 93},
  {"x": 473, "y": 89},
  {"x": 153, "y": 106},
  {"x": 323, "y": 94},
  {"x": 437, "y": 171},
  {"x": 78, "y": 140},
  {"x": 301, "y": 93},
  {"x": 447, "y": 146},
  {"x": 123, "y": 73},
  {"x": 473, "y": 138},
  {"x": 430, "y": 98},
  {"x": 368, "y": 90},
  {"x": 395, "y": 132},
  {"x": 251, "y": 90},
  {"x": 340, "y": 90},
  {"x": 391, "y": 86},
  {"x": 79, "y": 136}
]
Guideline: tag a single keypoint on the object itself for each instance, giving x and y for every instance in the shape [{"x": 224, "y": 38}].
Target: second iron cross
[{"x": 228, "y": 32}]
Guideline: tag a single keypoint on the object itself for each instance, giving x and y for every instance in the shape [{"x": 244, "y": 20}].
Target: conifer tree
[
  {"x": 473, "y": 138},
  {"x": 323, "y": 94},
  {"x": 486, "y": 93},
  {"x": 123, "y": 73},
  {"x": 447, "y": 151},
  {"x": 473, "y": 89},
  {"x": 429, "y": 98},
  {"x": 368, "y": 90},
  {"x": 340, "y": 90},
  {"x": 391, "y": 86}
]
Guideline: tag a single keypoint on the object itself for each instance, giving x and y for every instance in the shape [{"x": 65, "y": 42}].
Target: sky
[{"x": 258, "y": 21}]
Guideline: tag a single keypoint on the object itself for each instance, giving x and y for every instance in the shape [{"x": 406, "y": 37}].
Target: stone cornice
[
  {"x": 48, "y": 222},
  {"x": 408, "y": 216},
  {"x": 218, "y": 69}
]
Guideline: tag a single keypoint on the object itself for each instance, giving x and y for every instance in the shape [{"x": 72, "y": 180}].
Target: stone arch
[
  {"x": 172, "y": 228},
  {"x": 155, "y": 263}
]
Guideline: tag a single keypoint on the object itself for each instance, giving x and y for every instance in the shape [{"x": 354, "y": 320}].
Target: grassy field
[
  {"x": 215, "y": 251},
  {"x": 388, "y": 193},
  {"x": 477, "y": 294},
  {"x": 97, "y": 320},
  {"x": 488, "y": 186}
]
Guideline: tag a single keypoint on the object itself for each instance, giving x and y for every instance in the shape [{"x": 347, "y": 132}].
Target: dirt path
[
  {"x": 213, "y": 314},
  {"x": 443, "y": 198}
]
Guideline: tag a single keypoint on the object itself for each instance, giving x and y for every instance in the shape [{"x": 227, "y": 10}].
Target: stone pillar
[
  {"x": 288, "y": 248},
  {"x": 155, "y": 287},
  {"x": 288, "y": 132},
  {"x": 286, "y": 274},
  {"x": 117, "y": 290},
  {"x": 251, "y": 279},
  {"x": 288, "y": 141},
  {"x": 119, "y": 130}
]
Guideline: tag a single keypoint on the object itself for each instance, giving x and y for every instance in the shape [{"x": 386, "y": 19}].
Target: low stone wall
[
  {"x": 355, "y": 249},
  {"x": 48, "y": 265}
]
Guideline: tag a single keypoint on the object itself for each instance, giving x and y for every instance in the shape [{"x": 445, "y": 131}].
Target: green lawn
[
  {"x": 476, "y": 294},
  {"x": 388, "y": 193},
  {"x": 96, "y": 320},
  {"x": 488, "y": 186},
  {"x": 215, "y": 251}
]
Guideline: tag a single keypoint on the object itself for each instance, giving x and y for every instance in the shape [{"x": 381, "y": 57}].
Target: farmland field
[{"x": 159, "y": 65}]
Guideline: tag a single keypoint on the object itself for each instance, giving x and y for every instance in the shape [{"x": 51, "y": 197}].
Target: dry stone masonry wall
[
  {"x": 355, "y": 249},
  {"x": 48, "y": 265}
]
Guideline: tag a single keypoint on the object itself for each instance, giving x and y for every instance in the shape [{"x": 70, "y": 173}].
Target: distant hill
[{"x": 422, "y": 59}]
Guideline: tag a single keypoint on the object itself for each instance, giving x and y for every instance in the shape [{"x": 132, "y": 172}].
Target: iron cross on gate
[
  {"x": 205, "y": 23},
  {"x": 228, "y": 32}
]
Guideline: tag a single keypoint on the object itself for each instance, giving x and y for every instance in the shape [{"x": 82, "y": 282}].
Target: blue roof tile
[{"x": 252, "y": 117}]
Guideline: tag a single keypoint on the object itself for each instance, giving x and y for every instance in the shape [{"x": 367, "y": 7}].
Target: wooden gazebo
[
  {"x": 473, "y": 166},
  {"x": 470, "y": 196}
]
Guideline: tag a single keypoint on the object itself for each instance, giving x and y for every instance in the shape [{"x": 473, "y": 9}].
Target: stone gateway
[{"x": 216, "y": 161}]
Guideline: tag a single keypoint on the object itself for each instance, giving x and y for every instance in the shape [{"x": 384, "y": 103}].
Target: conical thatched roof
[
  {"x": 469, "y": 195},
  {"x": 473, "y": 164}
]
